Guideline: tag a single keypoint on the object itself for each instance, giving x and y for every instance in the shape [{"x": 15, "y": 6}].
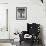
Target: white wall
[
  {"x": 3, "y": 1},
  {"x": 35, "y": 14},
  {"x": 3, "y": 21},
  {"x": 4, "y": 34}
]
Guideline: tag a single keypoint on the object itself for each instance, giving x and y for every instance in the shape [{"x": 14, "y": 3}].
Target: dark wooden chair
[{"x": 32, "y": 29}]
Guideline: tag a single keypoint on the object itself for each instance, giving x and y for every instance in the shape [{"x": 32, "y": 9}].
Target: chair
[{"x": 33, "y": 30}]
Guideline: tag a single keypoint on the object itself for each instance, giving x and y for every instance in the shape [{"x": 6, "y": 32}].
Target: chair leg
[
  {"x": 32, "y": 42},
  {"x": 20, "y": 42}
]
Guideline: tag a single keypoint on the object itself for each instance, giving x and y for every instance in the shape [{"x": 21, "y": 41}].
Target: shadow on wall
[{"x": 41, "y": 34}]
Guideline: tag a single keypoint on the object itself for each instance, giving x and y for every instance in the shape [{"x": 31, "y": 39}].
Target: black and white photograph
[{"x": 21, "y": 13}]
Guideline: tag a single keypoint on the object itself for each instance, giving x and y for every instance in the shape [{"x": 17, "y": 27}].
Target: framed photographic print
[{"x": 21, "y": 13}]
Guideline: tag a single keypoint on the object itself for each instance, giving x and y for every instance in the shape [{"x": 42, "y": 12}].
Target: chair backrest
[{"x": 33, "y": 28}]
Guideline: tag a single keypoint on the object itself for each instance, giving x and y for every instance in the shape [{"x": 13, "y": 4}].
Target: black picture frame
[{"x": 21, "y": 13}]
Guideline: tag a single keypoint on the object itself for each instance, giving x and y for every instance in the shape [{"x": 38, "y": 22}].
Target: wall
[
  {"x": 4, "y": 34},
  {"x": 35, "y": 14},
  {"x": 3, "y": 21},
  {"x": 3, "y": 1}
]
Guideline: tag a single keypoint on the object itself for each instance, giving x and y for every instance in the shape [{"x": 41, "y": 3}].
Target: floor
[
  {"x": 23, "y": 44},
  {"x": 5, "y": 44},
  {"x": 26, "y": 44}
]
